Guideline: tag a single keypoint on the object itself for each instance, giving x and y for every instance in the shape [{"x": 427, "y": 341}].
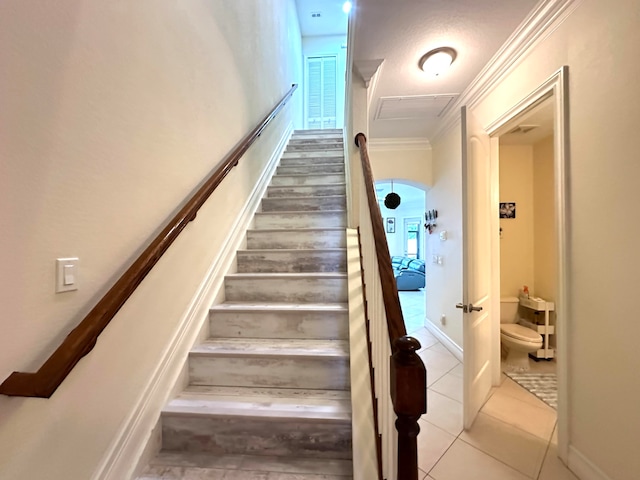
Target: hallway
[{"x": 513, "y": 438}]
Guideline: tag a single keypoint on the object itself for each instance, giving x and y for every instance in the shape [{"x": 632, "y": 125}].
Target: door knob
[
  {"x": 462, "y": 306},
  {"x": 469, "y": 308}
]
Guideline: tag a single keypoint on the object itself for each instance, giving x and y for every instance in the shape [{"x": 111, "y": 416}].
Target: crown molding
[
  {"x": 395, "y": 144},
  {"x": 367, "y": 69},
  {"x": 546, "y": 17}
]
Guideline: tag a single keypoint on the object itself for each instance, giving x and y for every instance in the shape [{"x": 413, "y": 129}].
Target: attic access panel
[{"x": 414, "y": 107}]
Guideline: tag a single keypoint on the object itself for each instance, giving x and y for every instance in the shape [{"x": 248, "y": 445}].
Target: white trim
[
  {"x": 129, "y": 443},
  {"x": 365, "y": 465},
  {"x": 583, "y": 468},
  {"x": 555, "y": 87},
  {"x": 541, "y": 22},
  {"x": 398, "y": 144},
  {"x": 494, "y": 191},
  {"x": 449, "y": 344}
]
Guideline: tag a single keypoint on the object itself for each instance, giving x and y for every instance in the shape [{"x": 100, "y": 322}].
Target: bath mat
[{"x": 542, "y": 385}]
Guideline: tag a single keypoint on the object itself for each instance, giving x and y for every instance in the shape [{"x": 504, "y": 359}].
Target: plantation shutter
[{"x": 321, "y": 100}]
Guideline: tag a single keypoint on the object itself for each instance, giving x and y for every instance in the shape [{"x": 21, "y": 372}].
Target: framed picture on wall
[
  {"x": 391, "y": 225},
  {"x": 507, "y": 210}
]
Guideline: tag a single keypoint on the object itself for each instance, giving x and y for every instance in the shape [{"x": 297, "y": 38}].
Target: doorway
[
  {"x": 321, "y": 75},
  {"x": 412, "y": 240},
  {"x": 542, "y": 115}
]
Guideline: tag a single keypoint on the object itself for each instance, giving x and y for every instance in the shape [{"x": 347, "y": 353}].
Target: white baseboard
[
  {"x": 583, "y": 467},
  {"x": 449, "y": 344},
  {"x": 129, "y": 445}
]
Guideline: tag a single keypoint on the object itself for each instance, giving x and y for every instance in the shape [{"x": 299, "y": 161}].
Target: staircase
[{"x": 268, "y": 395}]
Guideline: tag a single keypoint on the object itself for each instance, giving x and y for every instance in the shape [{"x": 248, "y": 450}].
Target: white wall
[
  {"x": 111, "y": 114},
  {"x": 330, "y": 45},
  {"x": 408, "y": 162},
  {"x": 444, "y": 282},
  {"x": 402, "y": 159},
  {"x": 597, "y": 42}
]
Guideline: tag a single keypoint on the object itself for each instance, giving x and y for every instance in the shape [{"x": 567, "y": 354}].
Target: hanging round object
[{"x": 392, "y": 201}]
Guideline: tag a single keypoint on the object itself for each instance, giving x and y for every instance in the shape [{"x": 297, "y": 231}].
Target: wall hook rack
[{"x": 430, "y": 218}]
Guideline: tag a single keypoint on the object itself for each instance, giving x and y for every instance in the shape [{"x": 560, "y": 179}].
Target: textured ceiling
[
  {"x": 401, "y": 31},
  {"x": 394, "y": 34}
]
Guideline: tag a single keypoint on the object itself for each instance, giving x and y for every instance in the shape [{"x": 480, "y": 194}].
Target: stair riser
[
  {"x": 315, "y": 147},
  {"x": 261, "y": 324},
  {"x": 296, "y": 239},
  {"x": 316, "y": 138},
  {"x": 304, "y": 204},
  {"x": 321, "y": 142},
  {"x": 301, "y": 180},
  {"x": 231, "y": 435},
  {"x": 301, "y": 220},
  {"x": 312, "y": 169},
  {"x": 311, "y": 160},
  {"x": 318, "y": 132},
  {"x": 282, "y": 372},
  {"x": 314, "y": 154},
  {"x": 306, "y": 191},
  {"x": 289, "y": 290},
  {"x": 292, "y": 262}
]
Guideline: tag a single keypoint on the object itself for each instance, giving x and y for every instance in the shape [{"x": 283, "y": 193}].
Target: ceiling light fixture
[
  {"x": 346, "y": 7},
  {"x": 437, "y": 61}
]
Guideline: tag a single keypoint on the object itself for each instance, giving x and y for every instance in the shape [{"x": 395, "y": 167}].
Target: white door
[
  {"x": 476, "y": 270},
  {"x": 321, "y": 95}
]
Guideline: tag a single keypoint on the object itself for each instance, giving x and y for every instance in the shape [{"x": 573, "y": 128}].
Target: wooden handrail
[
  {"x": 408, "y": 376},
  {"x": 395, "y": 321},
  {"x": 83, "y": 338}
]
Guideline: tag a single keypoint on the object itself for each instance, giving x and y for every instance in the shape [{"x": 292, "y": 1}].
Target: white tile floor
[{"x": 513, "y": 437}]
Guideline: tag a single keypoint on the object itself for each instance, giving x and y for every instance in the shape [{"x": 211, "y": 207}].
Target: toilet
[{"x": 518, "y": 340}]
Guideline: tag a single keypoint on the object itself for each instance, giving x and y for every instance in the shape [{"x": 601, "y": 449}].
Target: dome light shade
[{"x": 437, "y": 61}]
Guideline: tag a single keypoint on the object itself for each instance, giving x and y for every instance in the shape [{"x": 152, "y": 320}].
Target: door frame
[{"x": 555, "y": 88}]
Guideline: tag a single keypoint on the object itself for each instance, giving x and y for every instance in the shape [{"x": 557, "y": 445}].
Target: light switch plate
[{"x": 66, "y": 274}]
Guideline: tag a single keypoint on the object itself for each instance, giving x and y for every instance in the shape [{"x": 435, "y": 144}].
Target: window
[{"x": 412, "y": 237}]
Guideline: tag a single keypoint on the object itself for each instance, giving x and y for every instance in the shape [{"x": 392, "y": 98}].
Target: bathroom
[{"x": 528, "y": 252}]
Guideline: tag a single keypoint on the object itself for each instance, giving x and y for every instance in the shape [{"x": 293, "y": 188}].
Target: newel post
[{"x": 409, "y": 397}]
